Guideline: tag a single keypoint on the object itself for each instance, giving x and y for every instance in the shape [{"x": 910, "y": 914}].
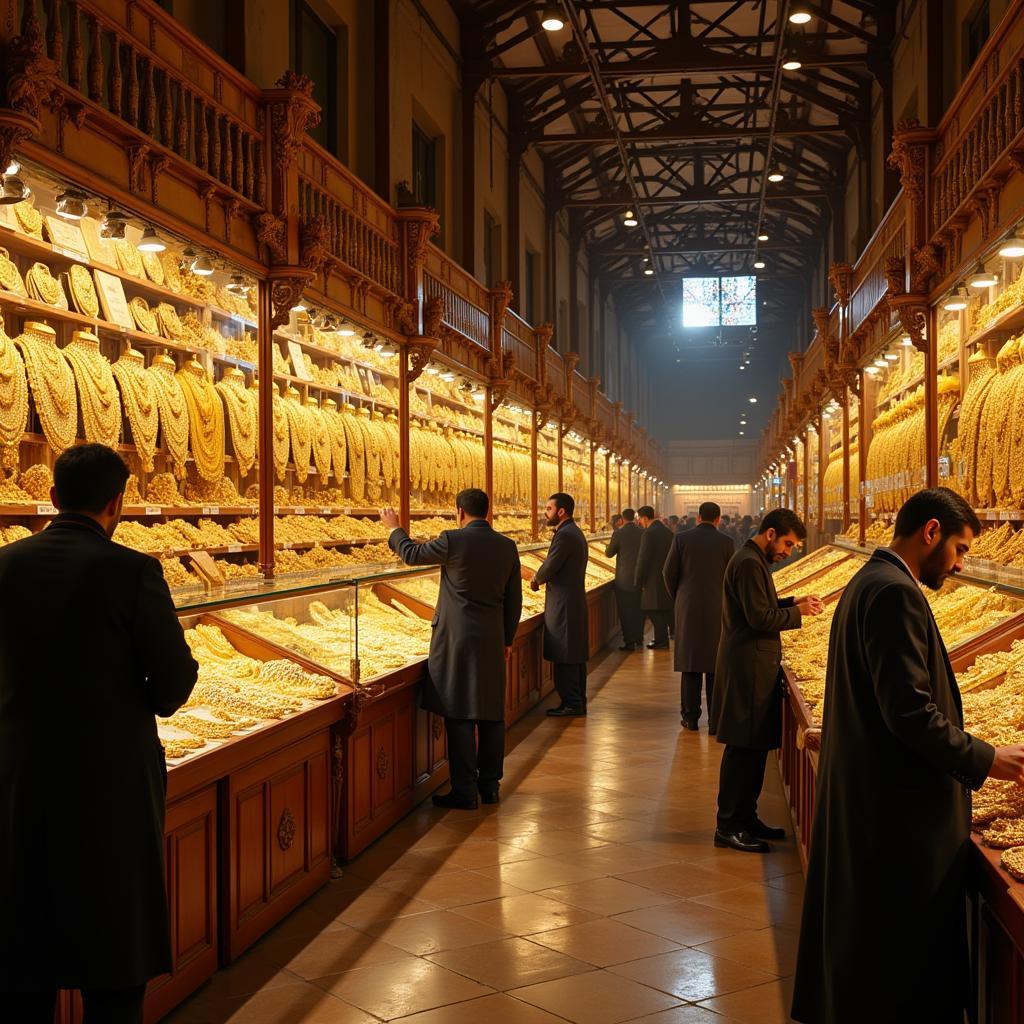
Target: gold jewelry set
[
  {"x": 10, "y": 275},
  {"x": 52, "y": 383},
  {"x": 141, "y": 404},
  {"x": 205, "y": 419},
  {"x": 13, "y": 401},
  {"x": 300, "y": 429},
  {"x": 44, "y": 287},
  {"x": 174, "y": 415},
  {"x": 240, "y": 405},
  {"x": 83, "y": 291}
]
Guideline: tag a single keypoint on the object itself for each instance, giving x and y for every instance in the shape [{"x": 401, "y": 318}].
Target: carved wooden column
[
  {"x": 845, "y": 402},
  {"x": 488, "y": 412},
  {"x": 472, "y": 80},
  {"x": 822, "y": 462},
  {"x": 265, "y": 426},
  {"x": 863, "y": 444},
  {"x": 807, "y": 473},
  {"x": 608, "y": 487},
  {"x": 593, "y": 487},
  {"x": 534, "y": 427}
]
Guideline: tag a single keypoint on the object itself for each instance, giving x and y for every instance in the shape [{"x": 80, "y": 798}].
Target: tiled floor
[{"x": 591, "y": 894}]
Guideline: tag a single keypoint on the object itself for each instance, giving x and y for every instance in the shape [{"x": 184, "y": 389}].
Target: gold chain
[
  {"x": 206, "y": 421},
  {"x": 321, "y": 440},
  {"x": 173, "y": 411},
  {"x": 83, "y": 291},
  {"x": 139, "y": 397},
  {"x": 42, "y": 285},
  {"x": 143, "y": 315},
  {"x": 301, "y": 433},
  {"x": 129, "y": 259},
  {"x": 52, "y": 383},
  {"x": 10, "y": 276},
  {"x": 13, "y": 401},
  {"x": 97, "y": 394}
]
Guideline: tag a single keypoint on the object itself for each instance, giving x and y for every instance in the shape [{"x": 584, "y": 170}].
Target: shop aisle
[{"x": 591, "y": 894}]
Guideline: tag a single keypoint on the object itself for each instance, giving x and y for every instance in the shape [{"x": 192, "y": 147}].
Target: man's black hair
[
  {"x": 473, "y": 502},
  {"x": 88, "y": 477},
  {"x": 629, "y": 514},
  {"x": 783, "y": 521},
  {"x": 566, "y": 501},
  {"x": 952, "y": 512},
  {"x": 645, "y": 512},
  {"x": 709, "y": 512}
]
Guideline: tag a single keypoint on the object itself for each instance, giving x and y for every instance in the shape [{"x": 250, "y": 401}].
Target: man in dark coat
[
  {"x": 90, "y": 651},
  {"x": 746, "y": 710},
  {"x": 694, "y": 572},
  {"x": 474, "y": 624},
  {"x": 884, "y": 932},
  {"x": 655, "y": 600},
  {"x": 566, "y": 636},
  {"x": 624, "y": 546}
]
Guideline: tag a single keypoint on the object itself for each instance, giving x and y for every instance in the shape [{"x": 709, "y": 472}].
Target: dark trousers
[
  {"x": 659, "y": 620},
  {"x": 689, "y": 694},
  {"x": 739, "y": 786},
  {"x": 571, "y": 684},
  {"x": 102, "y": 1006},
  {"x": 631, "y": 619},
  {"x": 476, "y": 751}
]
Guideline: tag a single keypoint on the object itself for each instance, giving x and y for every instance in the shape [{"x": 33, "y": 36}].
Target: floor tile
[
  {"x": 453, "y": 888},
  {"x": 761, "y": 903},
  {"x": 510, "y": 963},
  {"x": 498, "y": 1009},
  {"x": 399, "y": 989},
  {"x": 534, "y": 875},
  {"x": 604, "y": 942},
  {"x": 684, "y": 879},
  {"x": 691, "y": 975},
  {"x": 607, "y": 896},
  {"x": 682, "y": 1015},
  {"x": 768, "y": 949},
  {"x": 430, "y": 933},
  {"x": 596, "y": 998},
  {"x": 765, "y": 1004},
  {"x": 523, "y": 915},
  {"x": 291, "y": 1004},
  {"x": 329, "y": 952},
  {"x": 687, "y": 922}
]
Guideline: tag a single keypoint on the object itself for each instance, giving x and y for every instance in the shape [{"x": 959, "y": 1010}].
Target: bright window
[{"x": 719, "y": 301}]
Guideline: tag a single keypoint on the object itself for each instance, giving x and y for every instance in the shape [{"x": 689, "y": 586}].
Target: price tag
[
  {"x": 300, "y": 510},
  {"x": 1007, "y": 514},
  {"x": 154, "y": 510},
  {"x": 234, "y": 549},
  {"x": 277, "y": 510},
  {"x": 211, "y": 510},
  {"x": 287, "y": 545},
  {"x": 944, "y": 467},
  {"x": 326, "y": 511},
  {"x": 869, "y": 501},
  {"x": 347, "y": 511},
  {"x": 45, "y": 510}
]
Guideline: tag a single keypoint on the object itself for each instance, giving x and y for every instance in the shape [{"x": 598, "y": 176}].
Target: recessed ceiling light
[
  {"x": 762, "y": 237},
  {"x": 629, "y": 219},
  {"x": 775, "y": 175},
  {"x": 799, "y": 15},
  {"x": 752, "y": 400},
  {"x": 552, "y": 20},
  {"x": 759, "y": 264}
]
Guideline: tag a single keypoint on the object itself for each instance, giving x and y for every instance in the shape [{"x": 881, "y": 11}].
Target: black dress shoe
[
  {"x": 742, "y": 841},
  {"x": 652, "y": 646},
  {"x": 567, "y": 711},
  {"x": 628, "y": 647},
  {"x": 453, "y": 801},
  {"x": 690, "y": 726},
  {"x": 759, "y": 830},
  {"x": 488, "y": 796}
]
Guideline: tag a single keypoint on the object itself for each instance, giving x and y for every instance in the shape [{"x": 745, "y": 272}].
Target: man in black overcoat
[
  {"x": 694, "y": 572},
  {"x": 624, "y": 546},
  {"x": 746, "y": 709},
  {"x": 884, "y": 933},
  {"x": 90, "y": 651},
  {"x": 566, "y": 636},
  {"x": 474, "y": 624},
  {"x": 655, "y": 600}
]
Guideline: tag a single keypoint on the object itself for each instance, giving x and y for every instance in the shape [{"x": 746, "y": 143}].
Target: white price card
[
  {"x": 1007, "y": 514},
  {"x": 300, "y": 510},
  {"x": 154, "y": 510},
  {"x": 45, "y": 510},
  {"x": 211, "y": 510},
  {"x": 234, "y": 549},
  {"x": 325, "y": 511}
]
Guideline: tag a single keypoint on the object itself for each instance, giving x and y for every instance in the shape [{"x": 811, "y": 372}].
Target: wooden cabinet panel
[
  {"x": 276, "y": 848},
  {"x": 403, "y": 764},
  {"x": 382, "y": 746}
]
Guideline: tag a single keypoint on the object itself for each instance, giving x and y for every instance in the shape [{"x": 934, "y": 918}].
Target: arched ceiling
[{"x": 679, "y": 110}]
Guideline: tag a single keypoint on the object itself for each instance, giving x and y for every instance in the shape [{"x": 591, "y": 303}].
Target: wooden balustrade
[
  {"x": 556, "y": 372},
  {"x": 869, "y": 282},
  {"x": 466, "y": 302}
]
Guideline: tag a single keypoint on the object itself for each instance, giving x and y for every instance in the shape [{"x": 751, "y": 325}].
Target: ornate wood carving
[
  {"x": 157, "y": 165},
  {"x": 286, "y": 830},
  {"x": 270, "y": 232},
  {"x": 285, "y": 291},
  {"x": 293, "y": 112},
  {"x": 383, "y": 763},
  {"x": 315, "y": 244},
  {"x": 925, "y": 263},
  {"x": 418, "y": 353},
  {"x": 421, "y": 229},
  {"x": 840, "y": 276},
  {"x": 908, "y": 156},
  {"x": 912, "y": 311},
  {"x": 136, "y": 166}
]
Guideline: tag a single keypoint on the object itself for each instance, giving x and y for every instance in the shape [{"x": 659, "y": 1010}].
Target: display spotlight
[
  {"x": 114, "y": 225},
  {"x": 790, "y": 57},
  {"x": 892, "y": 356},
  {"x": 13, "y": 167},
  {"x": 648, "y": 271},
  {"x": 299, "y": 307},
  {"x": 551, "y": 20},
  {"x": 759, "y": 264},
  {"x": 433, "y": 369},
  {"x": 752, "y": 400},
  {"x": 346, "y": 330},
  {"x": 982, "y": 278},
  {"x": 906, "y": 341},
  {"x": 957, "y": 298},
  {"x": 237, "y": 285},
  {"x": 881, "y": 363},
  {"x": 629, "y": 219},
  {"x": 775, "y": 175},
  {"x": 369, "y": 340},
  {"x": 872, "y": 371},
  {"x": 1012, "y": 246},
  {"x": 763, "y": 237},
  {"x": 388, "y": 350},
  {"x": 800, "y": 15},
  {"x": 447, "y": 376},
  {"x": 150, "y": 242},
  {"x": 71, "y": 204},
  {"x": 202, "y": 266},
  {"x": 13, "y": 190}
]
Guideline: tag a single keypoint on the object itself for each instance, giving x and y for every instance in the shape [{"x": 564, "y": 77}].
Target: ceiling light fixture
[
  {"x": 800, "y": 15},
  {"x": 957, "y": 298},
  {"x": 759, "y": 264},
  {"x": 872, "y": 371},
  {"x": 892, "y": 356},
  {"x": 906, "y": 341},
  {"x": 14, "y": 190},
  {"x": 150, "y": 242},
  {"x": 648, "y": 271},
  {"x": 982, "y": 278},
  {"x": 71, "y": 204},
  {"x": 881, "y": 363},
  {"x": 114, "y": 225},
  {"x": 752, "y": 400},
  {"x": 775, "y": 175},
  {"x": 346, "y": 330},
  {"x": 13, "y": 167},
  {"x": 763, "y": 237},
  {"x": 552, "y": 20},
  {"x": 202, "y": 266},
  {"x": 629, "y": 219},
  {"x": 299, "y": 308},
  {"x": 1012, "y": 246},
  {"x": 237, "y": 287}
]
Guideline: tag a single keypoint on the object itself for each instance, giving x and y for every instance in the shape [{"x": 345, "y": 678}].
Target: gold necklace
[
  {"x": 301, "y": 433},
  {"x": 153, "y": 267},
  {"x": 83, "y": 291},
  {"x": 30, "y": 219},
  {"x": 13, "y": 401},
  {"x": 52, "y": 384},
  {"x": 172, "y": 272},
  {"x": 241, "y": 412},
  {"x": 140, "y": 401},
  {"x": 171, "y": 326},
  {"x": 282, "y": 440},
  {"x": 129, "y": 259},
  {"x": 173, "y": 411},
  {"x": 339, "y": 446},
  {"x": 321, "y": 440},
  {"x": 143, "y": 315},
  {"x": 97, "y": 394},
  {"x": 44, "y": 287},
  {"x": 10, "y": 276},
  {"x": 356, "y": 458},
  {"x": 206, "y": 421}
]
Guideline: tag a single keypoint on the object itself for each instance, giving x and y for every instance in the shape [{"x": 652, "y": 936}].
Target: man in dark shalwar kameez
[{"x": 884, "y": 932}]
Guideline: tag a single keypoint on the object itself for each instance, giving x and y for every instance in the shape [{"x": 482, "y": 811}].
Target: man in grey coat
[
  {"x": 624, "y": 546},
  {"x": 655, "y": 600},
  {"x": 746, "y": 710},
  {"x": 694, "y": 572},
  {"x": 474, "y": 625},
  {"x": 566, "y": 636}
]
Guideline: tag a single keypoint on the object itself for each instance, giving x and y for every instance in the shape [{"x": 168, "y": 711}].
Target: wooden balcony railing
[
  {"x": 466, "y": 302},
  {"x": 869, "y": 281}
]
